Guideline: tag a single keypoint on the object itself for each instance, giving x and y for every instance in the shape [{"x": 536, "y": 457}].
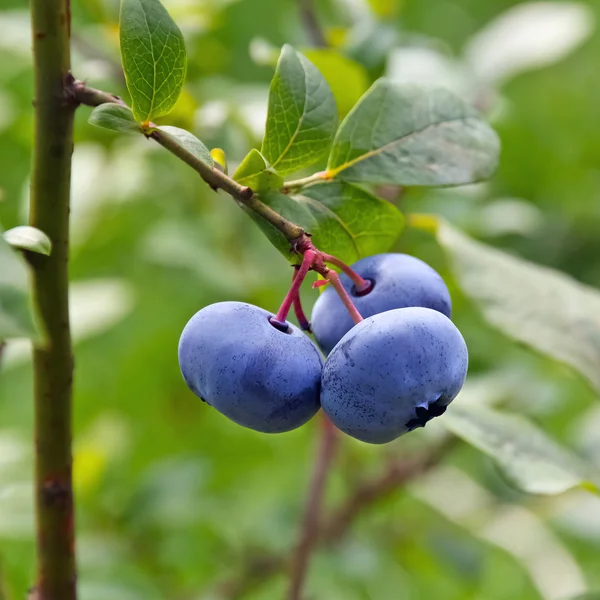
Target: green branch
[
  {"x": 215, "y": 178},
  {"x": 52, "y": 357}
]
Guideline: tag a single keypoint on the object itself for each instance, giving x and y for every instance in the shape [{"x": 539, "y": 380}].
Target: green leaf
[
  {"x": 28, "y": 238},
  {"x": 343, "y": 219},
  {"x": 348, "y": 79},
  {"x": 405, "y": 135},
  {"x": 154, "y": 58},
  {"x": 254, "y": 172},
  {"x": 114, "y": 117},
  {"x": 302, "y": 114},
  {"x": 15, "y": 315},
  {"x": 533, "y": 461},
  {"x": 540, "y": 307},
  {"x": 190, "y": 142}
]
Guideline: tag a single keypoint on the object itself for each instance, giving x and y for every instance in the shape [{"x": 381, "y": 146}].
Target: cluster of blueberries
[{"x": 383, "y": 377}]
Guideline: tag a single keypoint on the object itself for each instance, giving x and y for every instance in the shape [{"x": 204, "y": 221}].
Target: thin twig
[
  {"x": 311, "y": 523},
  {"x": 214, "y": 177},
  {"x": 311, "y": 23},
  {"x": 396, "y": 474},
  {"x": 53, "y": 356},
  {"x": 256, "y": 570}
]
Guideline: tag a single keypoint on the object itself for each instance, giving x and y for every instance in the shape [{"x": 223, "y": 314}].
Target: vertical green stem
[{"x": 52, "y": 357}]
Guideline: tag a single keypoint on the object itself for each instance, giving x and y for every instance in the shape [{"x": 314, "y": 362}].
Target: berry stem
[
  {"x": 334, "y": 279},
  {"x": 298, "y": 310},
  {"x": 360, "y": 283},
  {"x": 290, "y": 186},
  {"x": 312, "y": 521},
  {"x": 307, "y": 261}
]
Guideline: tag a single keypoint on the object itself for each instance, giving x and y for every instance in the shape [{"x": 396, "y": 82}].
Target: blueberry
[
  {"x": 263, "y": 377},
  {"x": 397, "y": 281},
  {"x": 393, "y": 372}
]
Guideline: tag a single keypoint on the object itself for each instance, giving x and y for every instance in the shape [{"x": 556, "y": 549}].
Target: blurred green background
[{"x": 173, "y": 499}]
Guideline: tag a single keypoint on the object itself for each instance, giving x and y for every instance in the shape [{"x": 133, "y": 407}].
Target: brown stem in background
[
  {"x": 397, "y": 473},
  {"x": 255, "y": 571},
  {"x": 308, "y": 14},
  {"x": 311, "y": 523},
  {"x": 52, "y": 356}
]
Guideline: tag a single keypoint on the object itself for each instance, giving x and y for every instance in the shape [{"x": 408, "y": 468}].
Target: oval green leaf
[
  {"x": 406, "y": 135},
  {"x": 190, "y": 142},
  {"x": 114, "y": 117},
  {"x": 255, "y": 172},
  {"x": 348, "y": 79},
  {"x": 344, "y": 220},
  {"x": 530, "y": 459},
  {"x": 16, "y": 319},
  {"x": 544, "y": 309},
  {"x": 28, "y": 238},
  {"x": 154, "y": 58},
  {"x": 302, "y": 114}
]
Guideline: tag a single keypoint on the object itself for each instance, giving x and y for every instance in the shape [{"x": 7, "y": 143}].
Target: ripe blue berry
[
  {"x": 263, "y": 377},
  {"x": 397, "y": 281},
  {"x": 393, "y": 372}
]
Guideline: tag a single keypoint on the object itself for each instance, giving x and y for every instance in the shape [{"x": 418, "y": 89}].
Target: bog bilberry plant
[{"x": 387, "y": 357}]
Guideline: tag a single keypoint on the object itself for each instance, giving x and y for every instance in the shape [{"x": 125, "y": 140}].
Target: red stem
[
  {"x": 311, "y": 523},
  {"x": 307, "y": 261},
  {"x": 298, "y": 310},
  {"x": 334, "y": 279},
  {"x": 360, "y": 283}
]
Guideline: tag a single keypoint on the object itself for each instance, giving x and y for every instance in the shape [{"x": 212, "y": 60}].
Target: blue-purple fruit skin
[
  {"x": 387, "y": 367},
  {"x": 260, "y": 377},
  {"x": 399, "y": 280}
]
